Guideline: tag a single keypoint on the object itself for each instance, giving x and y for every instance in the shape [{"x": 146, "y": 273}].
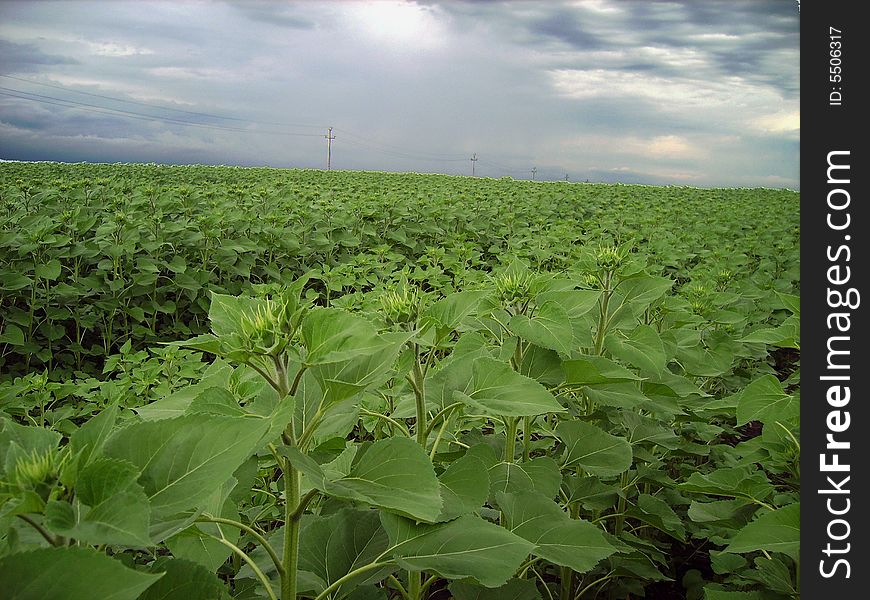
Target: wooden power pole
[{"x": 329, "y": 137}]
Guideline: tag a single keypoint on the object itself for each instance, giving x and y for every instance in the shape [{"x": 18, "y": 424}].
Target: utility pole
[
  {"x": 329, "y": 137},
  {"x": 534, "y": 172},
  {"x": 566, "y": 177},
  {"x": 473, "y": 160}
]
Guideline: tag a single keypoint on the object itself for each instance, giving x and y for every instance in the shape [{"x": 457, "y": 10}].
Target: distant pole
[
  {"x": 473, "y": 160},
  {"x": 566, "y": 177},
  {"x": 534, "y": 172},
  {"x": 329, "y": 137}
]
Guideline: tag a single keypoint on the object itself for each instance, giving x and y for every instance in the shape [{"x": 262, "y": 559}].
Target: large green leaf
[
  {"x": 497, "y": 389},
  {"x": 340, "y": 380},
  {"x": 540, "y": 475},
  {"x": 764, "y": 400},
  {"x": 595, "y": 370},
  {"x": 394, "y": 474},
  {"x": 774, "y": 531},
  {"x": 464, "y": 487},
  {"x": 548, "y": 327},
  {"x": 593, "y": 449},
  {"x": 334, "y": 335},
  {"x": 641, "y": 348},
  {"x": 70, "y": 573},
  {"x": 643, "y": 290},
  {"x": 514, "y": 589},
  {"x": 734, "y": 482},
  {"x": 333, "y": 546},
  {"x": 558, "y": 538},
  {"x": 447, "y": 313},
  {"x": 576, "y": 303},
  {"x": 185, "y": 459},
  {"x": 184, "y": 580},
  {"x": 657, "y": 512},
  {"x": 110, "y": 506},
  {"x": 465, "y": 547}
]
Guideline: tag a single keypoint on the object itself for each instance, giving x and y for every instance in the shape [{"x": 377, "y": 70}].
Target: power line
[
  {"x": 402, "y": 151},
  {"x": 132, "y": 114},
  {"x": 396, "y": 154},
  {"x": 155, "y": 106}
]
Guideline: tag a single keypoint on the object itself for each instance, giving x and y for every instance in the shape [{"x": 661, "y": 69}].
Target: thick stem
[
  {"x": 415, "y": 585},
  {"x": 602, "y": 319},
  {"x": 510, "y": 442},
  {"x": 527, "y": 438},
  {"x": 291, "y": 532},
  {"x": 420, "y": 399},
  {"x": 620, "y": 506}
]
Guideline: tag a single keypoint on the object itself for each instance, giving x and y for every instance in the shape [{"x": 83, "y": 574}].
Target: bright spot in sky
[{"x": 399, "y": 23}]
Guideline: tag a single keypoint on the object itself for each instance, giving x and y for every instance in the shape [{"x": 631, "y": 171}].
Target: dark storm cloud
[{"x": 27, "y": 58}]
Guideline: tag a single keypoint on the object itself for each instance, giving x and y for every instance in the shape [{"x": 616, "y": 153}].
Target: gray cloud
[
  {"x": 667, "y": 92},
  {"x": 27, "y": 58}
]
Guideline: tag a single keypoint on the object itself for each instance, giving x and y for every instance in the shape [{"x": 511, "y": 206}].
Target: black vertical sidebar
[{"x": 835, "y": 422}]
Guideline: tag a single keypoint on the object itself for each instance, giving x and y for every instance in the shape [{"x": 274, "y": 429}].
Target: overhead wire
[
  {"x": 348, "y": 137},
  {"x": 159, "y": 107},
  {"x": 135, "y": 115}
]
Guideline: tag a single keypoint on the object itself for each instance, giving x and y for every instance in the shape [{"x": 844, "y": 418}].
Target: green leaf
[
  {"x": 549, "y": 327},
  {"x": 595, "y": 370},
  {"x": 590, "y": 493},
  {"x": 659, "y": 514},
  {"x": 185, "y": 459},
  {"x": 14, "y": 281},
  {"x": 774, "y": 531},
  {"x": 394, "y": 474},
  {"x": 643, "y": 290},
  {"x": 724, "y": 562},
  {"x": 558, "y": 538},
  {"x": 791, "y": 303},
  {"x": 641, "y": 348},
  {"x": 734, "y": 482},
  {"x": 184, "y": 580},
  {"x": 334, "y": 335},
  {"x": 774, "y": 575},
  {"x": 717, "y": 592},
  {"x": 593, "y": 449},
  {"x": 464, "y": 487},
  {"x": 497, "y": 389},
  {"x": 12, "y": 334},
  {"x": 341, "y": 380},
  {"x": 576, "y": 303},
  {"x": 70, "y": 573},
  {"x": 764, "y": 400},
  {"x": 514, "y": 589},
  {"x": 195, "y": 545},
  {"x": 465, "y": 547},
  {"x": 333, "y": 546},
  {"x": 448, "y": 313},
  {"x": 540, "y": 475},
  {"x": 111, "y": 507}
]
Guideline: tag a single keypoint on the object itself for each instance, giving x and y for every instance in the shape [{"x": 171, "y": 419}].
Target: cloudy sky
[{"x": 701, "y": 93}]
